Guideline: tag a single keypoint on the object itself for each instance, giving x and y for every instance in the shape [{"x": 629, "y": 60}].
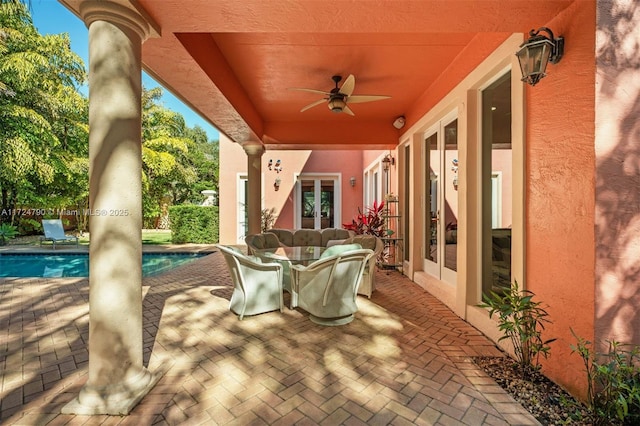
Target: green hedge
[{"x": 194, "y": 224}]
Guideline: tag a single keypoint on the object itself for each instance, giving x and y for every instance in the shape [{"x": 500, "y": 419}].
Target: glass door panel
[
  {"x": 326, "y": 204},
  {"x": 450, "y": 191},
  {"x": 308, "y": 204},
  {"x": 441, "y": 199},
  {"x": 497, "y": 164},
  {"x": 431, "y": 187}
]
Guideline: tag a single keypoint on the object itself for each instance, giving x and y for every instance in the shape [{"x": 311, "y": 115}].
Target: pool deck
[{"x": 405, "y": 359}]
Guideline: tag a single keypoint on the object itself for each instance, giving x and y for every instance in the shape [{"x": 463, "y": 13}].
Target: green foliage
[
  {"x": 613, "y": 380},
  {"x": 6, "y": 232},
  {"x": 194, "y": 224},
  {"x": 44, "y": 130},
  {"x": 29, "y": 226},
  {"x": 178, "y": 162},
  {"x": 521, "y": 320},
  {"x": 43, "y": 117},
  {"x": 371, "y": 223}
]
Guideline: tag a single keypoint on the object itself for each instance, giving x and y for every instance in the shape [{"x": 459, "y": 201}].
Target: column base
[{"x": 117, "y": 399}]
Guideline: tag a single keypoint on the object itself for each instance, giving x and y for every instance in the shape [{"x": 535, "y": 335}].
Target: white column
[
  {"x": 117, "y": 378},
  {"x": 254, "y": 152}
]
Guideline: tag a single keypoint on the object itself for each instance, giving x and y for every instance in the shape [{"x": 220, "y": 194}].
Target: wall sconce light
[
  {"x": 399, "y": 122},
  {"x": 276, "y": 184},
  {"x": 352, "y": 181},
  {"x": 535, "y": 53},
  {"x": 388, "y": 161}
]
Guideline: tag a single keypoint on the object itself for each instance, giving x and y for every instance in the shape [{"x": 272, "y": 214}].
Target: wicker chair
[
  {"x": 327, "y": 287},
  {"x": 257, "y": 286},
  {"x": 368, "y": 282}
]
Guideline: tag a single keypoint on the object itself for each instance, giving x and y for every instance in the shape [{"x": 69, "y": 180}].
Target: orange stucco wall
[{"x": 560, "y": 193}]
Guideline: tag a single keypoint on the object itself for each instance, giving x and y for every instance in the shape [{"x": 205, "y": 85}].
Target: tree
[
  {"x": 165, "y": 155},
  {"x": 204, "y": 158},
  {"x": 43, "y": 130}
]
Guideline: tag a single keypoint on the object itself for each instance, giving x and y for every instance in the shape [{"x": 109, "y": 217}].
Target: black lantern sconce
[{"x": 535, "y": 53}]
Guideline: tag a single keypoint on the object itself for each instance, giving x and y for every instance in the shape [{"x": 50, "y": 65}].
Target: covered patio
[{"x": 405, "y": 359}]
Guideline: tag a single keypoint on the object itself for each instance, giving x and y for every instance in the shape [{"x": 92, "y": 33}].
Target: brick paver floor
[{"x": 403, "y": 360}]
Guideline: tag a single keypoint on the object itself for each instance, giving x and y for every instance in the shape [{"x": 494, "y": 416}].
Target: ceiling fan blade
[
  {"x": 348, "y": 85},
  {"x": 311, "y": 105},
  {"x": 358, "y": 99},
  {"x": 347, "y": 110},
  {"x": 321, "y": 92}
]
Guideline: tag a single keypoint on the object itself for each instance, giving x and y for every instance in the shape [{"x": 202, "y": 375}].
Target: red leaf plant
[{"x": 371, "y": 223}]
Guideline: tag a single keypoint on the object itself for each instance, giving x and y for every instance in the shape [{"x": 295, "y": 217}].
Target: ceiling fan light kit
[
  {"x": 340, "y": 96},
  {"x": 337, "y": 105}
]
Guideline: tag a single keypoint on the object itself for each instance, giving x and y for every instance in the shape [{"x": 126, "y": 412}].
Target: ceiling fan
[{"x": 338, "y": 98}]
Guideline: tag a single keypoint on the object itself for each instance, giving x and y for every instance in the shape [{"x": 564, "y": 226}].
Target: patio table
[
  {"x": 296, "y": 255},
  {"x": 299, "y": 255}
]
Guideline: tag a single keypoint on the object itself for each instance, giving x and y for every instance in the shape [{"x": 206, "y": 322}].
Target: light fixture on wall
[
  {"x": 352, "y": 181},
  {"x": 399, "y": 122},
  {"x": 536, "y": 52},
  {"x": 276, "y": 184},
  {"x": 388, "y": 161}
]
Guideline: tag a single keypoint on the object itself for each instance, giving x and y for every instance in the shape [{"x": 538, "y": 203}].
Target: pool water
[{"x": 77, "y": 265}]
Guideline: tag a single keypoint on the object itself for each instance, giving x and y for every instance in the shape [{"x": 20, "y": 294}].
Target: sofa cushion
[
  {"x": 285, "y": 236},
  {"x": 271, "y": 240},
  {"x": 329, "y": 234},
  {"x": 307, "y": 237}
]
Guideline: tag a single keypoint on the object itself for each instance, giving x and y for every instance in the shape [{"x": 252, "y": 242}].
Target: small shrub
[
  {"x": 193, "y": 224},
  {"x": 29, "y": 226},
  {"x": 613, "y": 381},
  {"x": 522, "y": 321},
  {"x": 7, "y": 232}
]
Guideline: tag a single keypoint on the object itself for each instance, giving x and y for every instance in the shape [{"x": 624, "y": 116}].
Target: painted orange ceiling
[{"x": 233, "y": 61}]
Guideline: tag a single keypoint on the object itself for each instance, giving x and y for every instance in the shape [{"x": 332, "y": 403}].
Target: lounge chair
[{"x": 54, "y": 232}]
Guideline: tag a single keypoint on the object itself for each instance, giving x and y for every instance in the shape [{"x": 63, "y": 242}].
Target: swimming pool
[{"x": 77, "y": 265}]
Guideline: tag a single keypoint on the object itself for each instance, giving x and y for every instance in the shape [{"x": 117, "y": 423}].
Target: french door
[
  {"x": 441, "y": 199},
  {"x": 317, "y": 202}
]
